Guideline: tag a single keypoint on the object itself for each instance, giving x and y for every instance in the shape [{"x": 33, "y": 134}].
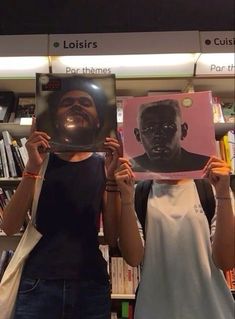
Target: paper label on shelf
[
  {"x": 221, "y": 64},
  {"x": 127, "y": 66}
]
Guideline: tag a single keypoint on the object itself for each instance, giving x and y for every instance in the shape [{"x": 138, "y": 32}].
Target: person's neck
[
  {"x": 172, "y": 181},
  {"x": 74, "y": 156}
]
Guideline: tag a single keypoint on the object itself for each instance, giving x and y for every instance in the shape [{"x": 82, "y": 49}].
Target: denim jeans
[{"x": 62, "y": 299}]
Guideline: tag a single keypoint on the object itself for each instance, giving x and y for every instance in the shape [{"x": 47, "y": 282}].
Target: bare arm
[
  {"x": 111, "y": 201},
  {"x": 130, "y": 241},
  {"x": 15, "y": 212},
  {"x": 223, "y": 245}
]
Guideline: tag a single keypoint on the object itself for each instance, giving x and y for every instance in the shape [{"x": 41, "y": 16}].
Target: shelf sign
[
  {"x": 219, "y": 64},
  {"x": 124, "y": 43},
  {"x": 126, "y": 66},
  {"x": 217, "y": 41}
]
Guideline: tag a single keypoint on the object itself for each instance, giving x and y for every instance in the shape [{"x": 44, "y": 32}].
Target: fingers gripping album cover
[{"x": 77, "y": 111}]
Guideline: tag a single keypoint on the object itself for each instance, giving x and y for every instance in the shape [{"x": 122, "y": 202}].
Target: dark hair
[{"x": 168, "y": 103}]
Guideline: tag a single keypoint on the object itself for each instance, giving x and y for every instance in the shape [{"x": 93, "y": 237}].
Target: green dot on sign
[{"x": 56, "y": 44}]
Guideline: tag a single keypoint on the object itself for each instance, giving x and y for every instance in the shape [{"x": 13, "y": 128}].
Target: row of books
[
  {"x": 5, "y": 196},
  {"x": 223, "y": 112},
  {"x": 226, "y": 149},
  {"x": 123, "y": 309},
  {"x": 13, "y": 155},
  {"x": 230, "y": 278},
  {"x": 16, "y": 108},
  {"x": 124, "y": 278}
]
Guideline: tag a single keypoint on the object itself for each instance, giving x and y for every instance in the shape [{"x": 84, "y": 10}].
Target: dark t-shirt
[
  {"x": 187, "y": 162},
  {"x": 68, "y": 212}
]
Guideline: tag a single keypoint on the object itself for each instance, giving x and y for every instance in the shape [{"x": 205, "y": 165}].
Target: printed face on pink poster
[{"x": 169, "y": 136}]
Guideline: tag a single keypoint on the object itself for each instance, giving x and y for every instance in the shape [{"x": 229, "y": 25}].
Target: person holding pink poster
[{"x": 181, "y": 254}]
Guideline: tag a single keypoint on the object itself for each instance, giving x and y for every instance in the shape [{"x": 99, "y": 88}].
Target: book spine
[
  {"x": 120, "y": 275},
  {"x": 17, "y": 157},
  {"x": 4, "y": 159},
  {"x": 1, "y": 167},
  {"x": 11, "y": 163},
  {"x": 114, "y": 275},
  {"x": 128, "y": 278}
]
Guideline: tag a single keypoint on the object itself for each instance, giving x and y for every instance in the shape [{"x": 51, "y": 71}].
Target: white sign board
[
  {"x": 219, "y": 64},
  {"x": 124, "y": 66},
  {"x": 217, "y": 41},
  {"x": 124, "y": 43},
  {"x": 23, "y": 45}
]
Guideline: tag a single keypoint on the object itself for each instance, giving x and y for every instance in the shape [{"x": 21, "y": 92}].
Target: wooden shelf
[{"x": 122, "y": 296}]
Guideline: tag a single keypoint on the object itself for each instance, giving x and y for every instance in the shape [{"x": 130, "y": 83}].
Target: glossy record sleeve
[{"x": 77, "y": 111}]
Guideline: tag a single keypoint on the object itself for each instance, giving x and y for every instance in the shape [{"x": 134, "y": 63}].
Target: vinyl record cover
[
  {"x": 169, "y": 136},
  {"x": 77, "y": 111}
]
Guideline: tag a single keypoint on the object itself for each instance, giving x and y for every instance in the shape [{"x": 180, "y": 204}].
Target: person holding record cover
[
  {"x": 78, "y": 115},
  {"x": 182, "y": 253},
  {"x": 161, "y": 130},
  {"x": 65, "y": 275}
]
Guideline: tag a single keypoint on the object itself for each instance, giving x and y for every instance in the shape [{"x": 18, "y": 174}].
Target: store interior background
[{"x": 95, "y": 16}]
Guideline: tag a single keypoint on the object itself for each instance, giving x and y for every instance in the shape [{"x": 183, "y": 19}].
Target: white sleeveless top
[{"x": 179, "y": 279}]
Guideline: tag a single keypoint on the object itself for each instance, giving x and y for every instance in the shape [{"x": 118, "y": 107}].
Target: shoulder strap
[
  {"x": 141, "y": 199},
  {"x": 207, "y": 198},
  {"x": 37, "y": 190}
]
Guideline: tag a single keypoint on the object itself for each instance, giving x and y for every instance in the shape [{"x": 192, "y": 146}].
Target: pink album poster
[{"x": 169, "y": 136}]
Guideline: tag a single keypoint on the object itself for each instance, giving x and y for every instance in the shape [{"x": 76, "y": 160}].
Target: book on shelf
[
  {"x": 7, "y": 102},
  {"x": 230, "y": 278},
  {"x": 25, "y": 109},
  {"x": 124, "y": 278},
  {"x": 114, "y": 275},
  {"x": 218, "y": 116},
  {"x": 13, "y": 156},
  {"x": 10, "y": 159},
  {"x": 3, "y": 155},
  {"x": 228, "y": 109},
  {"x": 1, "y": 167},
  {"x": 23, "y": 150},
  {"x": 231, "y": 150},
  {"x": 17, "y": 157},
  {"x": 120, "y": 100},
  {"x": 3, "y": 198},
  {"x": 127, "y": 310},
  {"x": 226, "y": 149}
]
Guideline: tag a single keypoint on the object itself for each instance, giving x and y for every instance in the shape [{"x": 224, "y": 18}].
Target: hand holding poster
[
  {"x": 169, "y": 136},
  {"x": 77, "y": 111}
]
